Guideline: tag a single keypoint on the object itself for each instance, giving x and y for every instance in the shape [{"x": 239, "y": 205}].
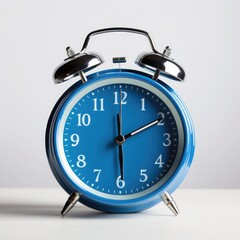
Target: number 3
[{"x": 167, "y": 142}]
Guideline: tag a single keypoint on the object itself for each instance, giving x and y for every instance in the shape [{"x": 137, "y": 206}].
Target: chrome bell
[
  {"x": 161, "y": 64},
  {"x": 76, "y": 64}
]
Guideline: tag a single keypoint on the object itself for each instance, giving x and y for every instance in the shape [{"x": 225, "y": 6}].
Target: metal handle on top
[{"x": 117, "y": 29}]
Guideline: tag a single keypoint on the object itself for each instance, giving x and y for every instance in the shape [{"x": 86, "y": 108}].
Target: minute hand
[{"x": 142, "y": 128}]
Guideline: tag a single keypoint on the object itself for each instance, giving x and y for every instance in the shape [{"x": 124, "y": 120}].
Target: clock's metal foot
[
  {"x": 169, "y": 201},
  {"x": 72, "y": 200}
]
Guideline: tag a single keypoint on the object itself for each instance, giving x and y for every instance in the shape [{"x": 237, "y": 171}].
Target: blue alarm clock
[{"x": 119, "y": 140}]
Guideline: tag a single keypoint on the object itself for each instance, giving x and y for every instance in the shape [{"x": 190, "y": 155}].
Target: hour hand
[
  {"x": 119, "y": 140},
  {"x": 121, "y": 161}
]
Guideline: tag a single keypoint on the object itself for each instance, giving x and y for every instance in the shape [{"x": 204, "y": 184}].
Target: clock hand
[
  {"x": 120, "y": 141},
  {"x": 139, "y": 130},
  {"x": 120, "y": 115},
  {"x": 120, "y": 147}
]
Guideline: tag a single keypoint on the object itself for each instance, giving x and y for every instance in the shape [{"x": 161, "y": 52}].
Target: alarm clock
[{"x": 119, "y": 140}]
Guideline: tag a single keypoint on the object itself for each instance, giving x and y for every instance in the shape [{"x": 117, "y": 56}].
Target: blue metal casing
[{"x": 103, "y": 203}]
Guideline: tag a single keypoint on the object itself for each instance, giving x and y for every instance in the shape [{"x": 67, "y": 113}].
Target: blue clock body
[{"x": 83, "y": 153}]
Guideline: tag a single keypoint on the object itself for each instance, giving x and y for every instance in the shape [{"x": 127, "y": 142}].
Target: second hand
[
  {"x": 120, "y": 139},
  {"x": 142, "y": 128}
]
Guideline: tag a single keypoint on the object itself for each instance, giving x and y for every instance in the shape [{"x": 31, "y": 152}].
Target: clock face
[{"x": 86, "y": 131}]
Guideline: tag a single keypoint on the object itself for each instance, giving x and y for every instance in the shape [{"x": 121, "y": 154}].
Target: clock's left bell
[{"x": 76, "y": 64}]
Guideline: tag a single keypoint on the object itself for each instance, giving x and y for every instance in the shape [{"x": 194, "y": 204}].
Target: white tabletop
[{"x": 34, "y": 214}]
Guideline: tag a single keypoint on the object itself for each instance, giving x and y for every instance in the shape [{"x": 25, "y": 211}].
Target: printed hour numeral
[
  {"x": 98, "y": 104},
  {"x": 167, "y": 142},
  {"x": 143, "y": 104},
  {"x": 144, "y": 176},
  {"x": 159, "y": 161},
  {"x": 120, "y": 183},
  {"x": 75, "y": 139},
  {"x": 116, "y": 97},
  {"x": 83, "y": 119},
  {"x": 161, "y": 115},
  {"x": 81, "y": 162},
  {"x": 98, "y": 172}
]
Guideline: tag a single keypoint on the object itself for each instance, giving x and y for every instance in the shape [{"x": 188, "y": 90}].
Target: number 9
[{"x": 75, "y": 139}]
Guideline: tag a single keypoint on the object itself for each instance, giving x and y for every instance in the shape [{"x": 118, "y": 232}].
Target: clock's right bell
[{"x": 161, "y": 64}]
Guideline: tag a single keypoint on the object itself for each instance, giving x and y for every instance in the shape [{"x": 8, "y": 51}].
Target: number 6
[{"x": 120, "y": 183}]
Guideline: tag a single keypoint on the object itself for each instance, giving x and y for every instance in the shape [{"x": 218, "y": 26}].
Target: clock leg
[
  {"x": 169, "y": 201},
  {"x": 72, "y": 200}
]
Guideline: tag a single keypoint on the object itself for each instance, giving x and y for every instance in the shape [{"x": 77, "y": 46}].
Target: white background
[{"x": 204, "y": 36}]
